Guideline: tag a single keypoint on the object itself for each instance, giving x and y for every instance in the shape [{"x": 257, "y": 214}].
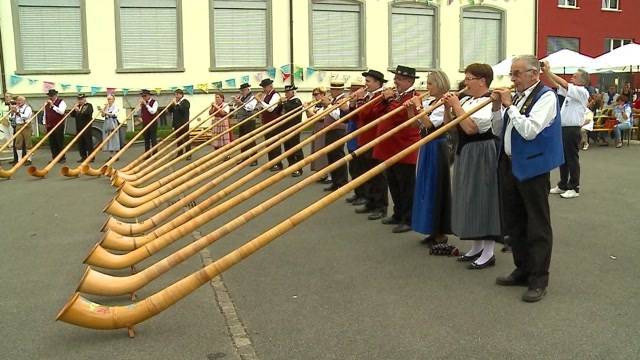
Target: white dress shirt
[
  {"x": 60, "y": 109},
  {"x": 274, "y": 100},
  {"x": 574, "y": 106},
  {"x": 152, "y": 109},
  {"x": 251, "y": 104},
  {"x": 437, "y": 115},
  {"x": 540, "y": 117},
  {"x": 335, "y": 113},
  {"x": 483, "y": 117},
  {"x": 23, "y": 114}
]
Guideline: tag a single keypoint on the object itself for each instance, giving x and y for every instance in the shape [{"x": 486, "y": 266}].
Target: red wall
[{"x": 588, "y": 23}]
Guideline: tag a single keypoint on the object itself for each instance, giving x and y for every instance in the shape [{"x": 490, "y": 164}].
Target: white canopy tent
[{"x": 568, "y": 61}]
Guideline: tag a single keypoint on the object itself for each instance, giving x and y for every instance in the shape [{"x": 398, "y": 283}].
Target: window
[
  {"x": 337, "y": 30},
  {"x": 611, "y": 44},
  {"x": 149, "y": 35},
  {"x": 610, "y": 5},
  {"x": 555, "y": 44},
  {"x": 412, "y": 36},
  {"x": 240, "y": 34},
  {"x": 567, "y": 3},
  {"x": 50, "y": 36},
  {"x": 482, "y": 38}
]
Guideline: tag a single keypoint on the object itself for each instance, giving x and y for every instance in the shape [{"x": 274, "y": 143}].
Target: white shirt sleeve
[
  {"x": 578, "y": 93},
  {"x": 483, "y": 117},
  {"x": 26, "y": 114},
  {"x": 251, "y": 105},
  {"x": 437, "y": 116},
  {"x": 226, "y": 108},
  {"x": 541, "y": 115},
  {"x": 153, "y": 108},
  {"x": 60, "y": 109},
  {"x": 335, "y": 114},
  {"x": 274, "y": 99}
]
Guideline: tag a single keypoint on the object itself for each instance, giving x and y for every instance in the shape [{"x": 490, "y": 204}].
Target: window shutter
[
  {"x": 149, "y": 34},
  {"x": 412, "y": 36},
  {"x": 51, "y": 35},
  {"x": 336, "y": 35},
  {"x": 481, "y": 37},
  {"x": 240, "y": 33}
]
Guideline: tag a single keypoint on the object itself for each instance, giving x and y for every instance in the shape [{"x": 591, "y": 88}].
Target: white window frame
[
  {"x": 606, "y": 5},
  {"x": 180, "y": 55},
  {"x": 503, "y": 26},
  {"x": 362, "y": 38},
  {"x": 570, "y": 4},
  {"x": 436, "y": 37},
  {"x": 268, "y": 32},
  {"x": 609, "y": 43},
  {"x": 19, "y": 49}
]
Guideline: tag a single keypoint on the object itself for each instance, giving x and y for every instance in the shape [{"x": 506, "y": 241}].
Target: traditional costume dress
[
  {"x": 220, "y": 131},
  {"x": 109, "y": 125},
  {"x": 318, "y": 143}
]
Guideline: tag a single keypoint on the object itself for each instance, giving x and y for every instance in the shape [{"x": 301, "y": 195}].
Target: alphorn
[
  {"x": 17, "y": 133},
  {"x": 94, "y": 282},
  {"x": 83, "y": 312},
  {"x": 158, "y": 150},
  {"x": 84, "y": 168},
  {"x": 179, "y": 176},
  {"x": 42, "y": 173},
  {"x": 117, "y": 209},
  {"x": 126, "y": 147},
  {"x": 8, "y": 173}
]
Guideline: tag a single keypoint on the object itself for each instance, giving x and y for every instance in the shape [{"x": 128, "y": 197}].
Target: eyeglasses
[{"x": 517, "y": 73}]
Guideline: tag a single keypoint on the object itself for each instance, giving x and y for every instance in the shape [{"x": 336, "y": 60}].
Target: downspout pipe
[{"x": 291, "y": 68}]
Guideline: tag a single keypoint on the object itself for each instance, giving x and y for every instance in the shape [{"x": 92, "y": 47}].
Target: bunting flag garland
[
  {"x": 204, "y": 87},
  {"x": 111, "y": 91},
  {"x": 310, "y": 72},
  {"x": 189, "y": 89},
  {"x": 65, "y": 87},
  {"x": 125, "y": 91},
  {"x": 271, "y": 72},
  {"x": 346, "y": 78},
  {"x": 245, "y": 79},
  {"x": 79, "y": 88},
  {"x": 217, "y": 84},
  {"x": 157, "y": 90},
  {"x": 14, "y": 80},
  {"x": 322, "y": 75},
  {"x": 230, "y": 83},
  {"x": 173, "y": 88},
  {"x": 32, "y": 81},
  {"x": 259, "y": 76},
  {"x": 298, "y": 73},
  {"x": 285, "y": 76},
  {"x": 48, "y": 85},
  {"x": 94, "y": 90}
]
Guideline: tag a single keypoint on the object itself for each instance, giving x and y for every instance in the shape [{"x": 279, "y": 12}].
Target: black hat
[
  {"x": 405, "y": 71},
  {"x": 266, "y": 82},
  {"x": 145, "y": 92},
  {"x": 290, "y": 88},
  {"x": 80, "y": 96},
  {"x": 52, "y": 92},
  {"x": 376, "y": 75},
  {"x": 245, "y": 85},
  {"x": 179, "y": 91}
]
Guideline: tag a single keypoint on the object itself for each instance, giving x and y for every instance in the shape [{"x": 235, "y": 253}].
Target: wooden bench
[{"x": 625, "y": 133}]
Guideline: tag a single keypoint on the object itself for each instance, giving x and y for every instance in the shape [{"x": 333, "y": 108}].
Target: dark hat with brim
[
  {"x": 266, "y": 82},
  {"x": 80, "y": 96},
  {"x": 145, "y": 92},
  {"x": 290, "y": 88},
  {"x": 179, "y": 91},
  {"x": 52, "y": 92},
  {"x": 405, "y": 71},
  {"x": 244, "y": 86},
  {"x": 376, "y": 75}
]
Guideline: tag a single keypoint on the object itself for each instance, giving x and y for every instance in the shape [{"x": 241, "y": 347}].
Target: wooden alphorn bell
[
  {"x": 24, "y": 127},
  {"x": 83, "y": 312},
  {"x": 84, "y": 168}
]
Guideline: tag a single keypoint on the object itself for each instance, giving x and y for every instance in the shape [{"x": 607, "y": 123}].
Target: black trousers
[
  {"x": 85, "y": 143},
  {"x": 339, "y": 175},
  {"x": 56, "y": 141},
  {"x": 570, "y": 170},
  {"x": 15, "y": 151},
  {"x": 151, "y": 137},
  {"x": 356, "y": 168},
  {"x": 402, "y": 181},
  {"x": 527, "y": 221},
  {"x": 184, "y": 130},
  {"x": 276, "y": 151},
  {"x": 246, "y": 128},
  {"x": 289, "y": 144},
  {"x": 376, "y": 189}
]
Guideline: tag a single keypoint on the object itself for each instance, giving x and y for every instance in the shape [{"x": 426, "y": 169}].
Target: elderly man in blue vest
[{"x": 531, "y": 147}]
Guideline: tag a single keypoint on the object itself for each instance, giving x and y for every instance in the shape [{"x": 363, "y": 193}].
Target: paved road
[{"x": 335, "y": 287}]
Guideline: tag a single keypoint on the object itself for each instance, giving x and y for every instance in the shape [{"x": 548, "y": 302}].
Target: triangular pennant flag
[
  {"x": 47, "y": 85},
  {"x": 286, "y": 69},
  {"x": 310, "y": 71},
  {"x": 245, "y": 79},
  {"x": 346, "y": 77},
  {"x": 125, "y": 91},
  {"x": 173, "y": 88},
  {"x": 65, "y": 87},
  {"x": 271, "y": 72},
  {"x": 111, "y": 91},
  {"x": 204, "y": 87},
  {"x": 298, "y": 74},
  {"x": 259, "y": 76},
  {"x": 230, "y": 83},
  {"x": 285, "y": 76},
  {"x": 14, "y": 80},
  {"x": 189, "y": 89},
  {"x": 217, "y": 84},
  {"x": 95, "y": 89},
  {"x": 32, "y": 81},
  {"x": 322, "y": 75},
  {"x": 157, "y": 90},
  {"x": 79, "y": 88}
]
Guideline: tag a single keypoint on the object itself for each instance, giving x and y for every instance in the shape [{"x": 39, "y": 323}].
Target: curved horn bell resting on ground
[{"x": 82, "y": 312}]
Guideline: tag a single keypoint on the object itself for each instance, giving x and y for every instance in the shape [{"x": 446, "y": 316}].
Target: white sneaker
[
  {"x": 556, "y": 190},
  {"x": 585, "y": 147},
  {"x": 570, "y": 194}
]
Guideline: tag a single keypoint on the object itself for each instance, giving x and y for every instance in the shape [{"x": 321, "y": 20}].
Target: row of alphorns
[{"x": 142, "y": 188}]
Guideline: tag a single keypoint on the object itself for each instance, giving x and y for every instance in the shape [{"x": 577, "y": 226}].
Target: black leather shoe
[
  {"x": 534, "y": 295},
  {"x": 377, "y": 215},
  {"x": 296, "y": 173},
  {"x": 401, "y": 228},
  {"x": 430, "y": 241},
  {"x": 351, "y": 198},
  {"x": 364, "y": 210},
  {"x": 390, "y": 221},
  {"x": 62, "y": 161},
  {"x": 331, "y": 188},
  {"x": 326, "y": 181},
  {"x": 188, "y": 158},
  {"x": 80, "y": 160},
  {"x": 359, "y": 201},
  {"x": 28, "y": 162},
  {"x": 276, "y": 168},
  {"x": 475, "y": 266},
  {"x": 511, "y": 280},
  {"x": 255, "y": 163},
  {"x": 465, "y": 258}
]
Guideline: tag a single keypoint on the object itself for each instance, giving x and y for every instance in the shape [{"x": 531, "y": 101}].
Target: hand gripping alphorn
[
  {"x": 118, "y": 177},
  {"x": 126, "y": 147},
  {"x": 17, "y": 133},
  {"x": 84, "y": 165},
  {"x": 125, "y": 204},
  {"x": 42, "y": 173},
  {"x": 8, "y": 173},
  {"x": 160, "y": 165},
  {"x": 158, "y": 149},
  {"x": 117, "y": 209},
  {"x": 82, "y": 312}
]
